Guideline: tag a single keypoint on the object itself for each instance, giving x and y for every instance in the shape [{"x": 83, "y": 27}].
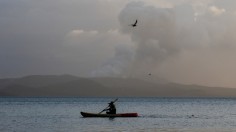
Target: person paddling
[{"x": 111, "y": 108}]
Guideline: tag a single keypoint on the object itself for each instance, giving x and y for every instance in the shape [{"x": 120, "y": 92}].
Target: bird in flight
[{"x": 135, "y": 24}]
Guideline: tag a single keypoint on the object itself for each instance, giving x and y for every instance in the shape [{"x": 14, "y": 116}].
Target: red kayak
[{"x": 85, "y": 114}]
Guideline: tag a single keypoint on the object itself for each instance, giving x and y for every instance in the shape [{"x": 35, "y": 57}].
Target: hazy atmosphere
[{"x": 183, "y": 41}]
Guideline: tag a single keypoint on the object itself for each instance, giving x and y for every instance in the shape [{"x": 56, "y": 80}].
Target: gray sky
[{"x": 184, "y": 41}]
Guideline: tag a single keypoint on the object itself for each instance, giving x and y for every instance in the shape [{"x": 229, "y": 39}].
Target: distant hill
[{"x": 71, "y": 86}]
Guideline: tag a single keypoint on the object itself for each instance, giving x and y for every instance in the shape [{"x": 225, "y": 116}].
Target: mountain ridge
[{"x": 71, "y": 86}]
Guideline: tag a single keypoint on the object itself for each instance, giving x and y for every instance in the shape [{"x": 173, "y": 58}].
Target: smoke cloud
[{"x": 177, "y": 35}]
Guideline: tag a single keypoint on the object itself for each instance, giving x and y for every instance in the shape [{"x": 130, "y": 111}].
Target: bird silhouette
[{"x": 135, "y": 24}]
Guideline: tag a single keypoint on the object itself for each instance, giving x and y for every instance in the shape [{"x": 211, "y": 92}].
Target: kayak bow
[{"x": 85, "y": 114}]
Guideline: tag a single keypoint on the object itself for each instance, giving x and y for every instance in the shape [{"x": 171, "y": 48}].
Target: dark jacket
[{"x": 111, "y": 108}]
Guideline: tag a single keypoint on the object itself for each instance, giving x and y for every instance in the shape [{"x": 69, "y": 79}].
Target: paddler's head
[{"x": 111, "y": 102}]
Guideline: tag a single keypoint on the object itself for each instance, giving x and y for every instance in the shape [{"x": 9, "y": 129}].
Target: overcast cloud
[{"x": 184, "y": 41}]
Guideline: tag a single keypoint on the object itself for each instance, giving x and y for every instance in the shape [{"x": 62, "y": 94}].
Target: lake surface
[{"x": 155, "y": 114}]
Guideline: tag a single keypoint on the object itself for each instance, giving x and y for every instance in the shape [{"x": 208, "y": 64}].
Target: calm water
[{"x": 156, "y": 114}]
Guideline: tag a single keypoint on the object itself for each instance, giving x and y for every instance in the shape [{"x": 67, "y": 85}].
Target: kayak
[{"x": 85, "y": 114}]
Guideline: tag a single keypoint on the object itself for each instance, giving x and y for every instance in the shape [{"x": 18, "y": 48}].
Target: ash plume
[{"x": 164, "y": 35}]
